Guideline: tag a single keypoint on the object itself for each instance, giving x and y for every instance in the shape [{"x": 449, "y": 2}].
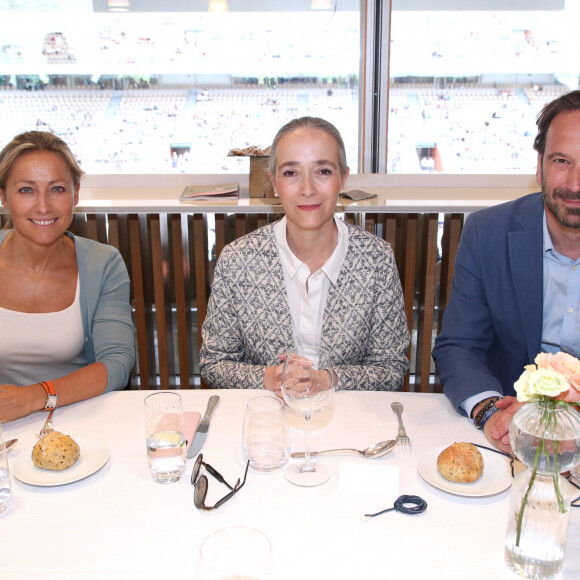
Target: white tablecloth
[{"x": 118, "y": 523}]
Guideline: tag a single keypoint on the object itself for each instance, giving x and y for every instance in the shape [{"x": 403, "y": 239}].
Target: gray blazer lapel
[{"x": 279, "y": 299}]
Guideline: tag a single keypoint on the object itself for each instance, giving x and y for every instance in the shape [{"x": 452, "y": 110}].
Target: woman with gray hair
[
  {"x": 310, "y": 278},
  {"x": 67, "y": 332}
]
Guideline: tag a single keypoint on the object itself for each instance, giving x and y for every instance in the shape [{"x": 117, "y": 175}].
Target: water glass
[
  {"x": 5, "y": 487},
  {"x": 165, "y": 433},
  {"x": 266, "y": 436},
  {"x": 236, "y": 552}
]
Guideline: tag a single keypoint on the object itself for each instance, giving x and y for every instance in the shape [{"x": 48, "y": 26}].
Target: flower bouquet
[
  {"x": 545, "y": 436},
  {"x": 553, "y": 376}
]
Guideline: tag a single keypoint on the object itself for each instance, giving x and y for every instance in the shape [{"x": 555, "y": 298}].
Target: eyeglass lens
[
  {"x": 201, "y": 485},
  {"x": 211, "y": 470}
]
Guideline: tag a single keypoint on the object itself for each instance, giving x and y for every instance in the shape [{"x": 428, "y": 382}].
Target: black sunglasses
[{"x": 201, "y": 484}]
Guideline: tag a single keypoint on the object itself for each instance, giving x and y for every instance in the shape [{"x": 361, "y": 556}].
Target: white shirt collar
[{"x": 331, "y": 267}]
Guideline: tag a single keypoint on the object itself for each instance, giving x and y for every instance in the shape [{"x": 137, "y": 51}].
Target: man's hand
[{"x": 496, "y": 429}]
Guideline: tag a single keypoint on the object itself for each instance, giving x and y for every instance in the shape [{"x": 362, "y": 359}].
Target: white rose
[
  {"x": 533, "y": 385},
  {"x": 522, "y": 388}
]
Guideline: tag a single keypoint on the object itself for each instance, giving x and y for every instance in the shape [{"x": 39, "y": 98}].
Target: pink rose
[
  {"x": 563, "y": 363},
  {"x": 543, "y": 360},
  {"x": 570, "y": 396}
]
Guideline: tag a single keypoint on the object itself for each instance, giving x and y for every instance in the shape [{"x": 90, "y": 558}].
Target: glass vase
[{"x": 546, "y": 438}]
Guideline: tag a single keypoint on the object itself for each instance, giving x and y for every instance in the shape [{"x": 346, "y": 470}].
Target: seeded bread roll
[
  {"x": 461, "y": 463},
  {"x": 56, "y": 452}
]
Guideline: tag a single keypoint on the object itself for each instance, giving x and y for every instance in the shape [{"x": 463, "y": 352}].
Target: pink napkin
[{"x": 192, "y": 419}]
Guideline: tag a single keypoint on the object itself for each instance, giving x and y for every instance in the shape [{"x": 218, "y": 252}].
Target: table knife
[{"x": 203, "y": 428}]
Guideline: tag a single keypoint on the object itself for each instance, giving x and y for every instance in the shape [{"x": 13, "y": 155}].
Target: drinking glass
[
  {"x": 266, "y": 437},
  {"x": 5, "y": 487},
  {"x": 236, "y": 552},
  {"x": 165, "y": 432},
  {"x": 307, "y": 388}
]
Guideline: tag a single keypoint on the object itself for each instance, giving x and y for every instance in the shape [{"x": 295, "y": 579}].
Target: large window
[
  {"x": 170, "y": 86},
  {"x": 469, "y": 78},
  {"x": 136, "y": 86}
]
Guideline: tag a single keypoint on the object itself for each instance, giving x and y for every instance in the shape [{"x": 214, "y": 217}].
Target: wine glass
[{"x": 307, "y": 388}]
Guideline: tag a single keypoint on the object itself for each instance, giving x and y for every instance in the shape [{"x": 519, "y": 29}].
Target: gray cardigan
[
  {"x": 105, "y": 309},
  {"x": 248, "y": 323}
]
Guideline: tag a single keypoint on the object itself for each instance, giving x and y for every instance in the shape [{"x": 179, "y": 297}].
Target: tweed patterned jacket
[{"x": 248, "y": 323}]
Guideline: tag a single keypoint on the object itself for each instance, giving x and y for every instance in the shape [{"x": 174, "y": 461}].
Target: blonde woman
[{"x": 67, "y": 332}]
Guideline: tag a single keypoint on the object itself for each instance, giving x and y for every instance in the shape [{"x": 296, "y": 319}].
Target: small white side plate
[
  {"x": 94, "y": 454},
  {"x": 496, "y": 477}
]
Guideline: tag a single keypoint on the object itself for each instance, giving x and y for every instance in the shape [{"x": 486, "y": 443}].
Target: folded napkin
[
  {"x": 368, "y": 479},
  {"x": 191, "y": 419},
  {"x": 357, "y": 194}
]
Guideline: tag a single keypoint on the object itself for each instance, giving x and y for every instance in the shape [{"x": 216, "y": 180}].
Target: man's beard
[{"x": 566, "y": 216}]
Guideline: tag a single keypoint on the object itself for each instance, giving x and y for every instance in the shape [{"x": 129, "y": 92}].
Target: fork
[
  {"x": 402, "y": 438},
  {"x": 48, "y": 428}
]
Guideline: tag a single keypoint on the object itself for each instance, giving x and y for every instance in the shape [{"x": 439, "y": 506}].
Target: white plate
[
  {"x": 94, "y": 454},
  {"x": 496, "y": 477}
]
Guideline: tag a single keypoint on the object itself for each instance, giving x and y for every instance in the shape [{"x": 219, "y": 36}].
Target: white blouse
[
  {"x": 31, "y": 343},
  {"x": 308, "y": 292}
]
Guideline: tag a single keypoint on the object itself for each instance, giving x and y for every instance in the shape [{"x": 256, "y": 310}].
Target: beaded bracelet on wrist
[
  {"x": 480, "y": 414},
  {"x": 486, "y": 416}
]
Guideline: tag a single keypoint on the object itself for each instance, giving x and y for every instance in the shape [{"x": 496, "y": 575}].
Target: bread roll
[
  {"x": 56, "y": 452},
  {"x": 461, "y": 463}
]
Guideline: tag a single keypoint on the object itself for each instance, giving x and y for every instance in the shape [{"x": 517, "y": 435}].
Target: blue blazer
[{"x": 492, "y": 326}]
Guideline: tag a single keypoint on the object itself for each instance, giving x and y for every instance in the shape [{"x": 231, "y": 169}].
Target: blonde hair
[{"x": 32, "y": 141}]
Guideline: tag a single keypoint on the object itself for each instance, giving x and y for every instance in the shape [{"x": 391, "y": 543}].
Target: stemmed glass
[{"x": 307, "y": 388}]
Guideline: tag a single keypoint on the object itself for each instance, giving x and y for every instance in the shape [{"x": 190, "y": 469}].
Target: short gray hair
[{"x": 310, "y": 123}]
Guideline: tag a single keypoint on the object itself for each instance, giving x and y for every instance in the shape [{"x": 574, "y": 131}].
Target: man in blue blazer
[{"x": 516, "y": 288}]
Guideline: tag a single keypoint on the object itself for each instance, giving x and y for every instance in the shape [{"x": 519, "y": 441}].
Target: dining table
[{"x": 118, "y": 523}]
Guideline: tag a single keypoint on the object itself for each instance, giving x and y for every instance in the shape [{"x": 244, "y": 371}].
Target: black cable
[
  {"x": 419, "y": 506},
  {"x": 494, "y": 450},
  {"x": 574, "y": 502}
]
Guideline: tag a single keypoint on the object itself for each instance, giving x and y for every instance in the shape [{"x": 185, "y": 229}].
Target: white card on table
[{"x": 368, "y": 479}]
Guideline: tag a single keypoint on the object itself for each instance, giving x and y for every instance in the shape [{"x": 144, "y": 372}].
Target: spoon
[
  {"x": 373, "y": 452},
  {"x": 9, "y": 443}
]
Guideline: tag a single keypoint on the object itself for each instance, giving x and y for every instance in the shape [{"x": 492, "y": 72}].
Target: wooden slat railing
[{"x": 171, "y": 264}]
